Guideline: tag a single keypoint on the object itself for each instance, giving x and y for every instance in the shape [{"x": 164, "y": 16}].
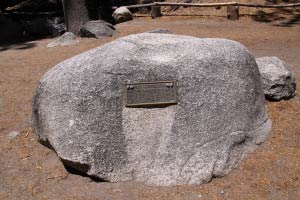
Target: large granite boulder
[
  {"x": 97, "y": 29},
  {"x": 277, "y": 80},
  {"x": 79, "y": 110}
]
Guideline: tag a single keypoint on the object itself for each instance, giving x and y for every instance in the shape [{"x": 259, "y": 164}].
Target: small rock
[
  {"x": 13, "y": 134},
  {"x": 161, "y": 30},
  {"x": 97, "y": 29},
  {"x": 55, "y": 27},
  {"x": 66, "y": 39},
  {"x": 122, "y": 14},
  {"x": 278, "y": 81}
]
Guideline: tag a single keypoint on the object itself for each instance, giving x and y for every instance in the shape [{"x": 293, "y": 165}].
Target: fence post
[
  {"x": 233, "y": 12},
  {"x": 155, "y": 12}
]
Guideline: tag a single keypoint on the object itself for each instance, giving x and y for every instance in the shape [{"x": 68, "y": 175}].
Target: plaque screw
[
  {"x": 169, "y": 85},
  {"x": 130, "y": 87}
]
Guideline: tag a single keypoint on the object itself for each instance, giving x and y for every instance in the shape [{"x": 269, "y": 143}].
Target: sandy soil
[{"x": 29, "y": 170}]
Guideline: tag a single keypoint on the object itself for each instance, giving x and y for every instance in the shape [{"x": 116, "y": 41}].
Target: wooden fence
[{"x": 232, "y": 7}]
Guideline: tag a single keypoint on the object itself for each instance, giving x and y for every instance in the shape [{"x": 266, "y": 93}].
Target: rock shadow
[{"x": 80, "y": 169}]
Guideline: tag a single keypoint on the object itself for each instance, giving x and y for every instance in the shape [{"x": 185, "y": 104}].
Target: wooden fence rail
[
  {"x": 232, "y": 7},
  {"x": 214, "y": 5}
]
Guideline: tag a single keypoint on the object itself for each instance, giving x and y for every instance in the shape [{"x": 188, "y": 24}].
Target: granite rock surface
[
  {"x": 122, "y": 14},
  {"x": 278, "y": 80},
  {"x": 97, "y": 29},
  {"x": 66, "y": 39},
  {"x": 79, "y": 110},
  {"x": 161, "y": 30}
]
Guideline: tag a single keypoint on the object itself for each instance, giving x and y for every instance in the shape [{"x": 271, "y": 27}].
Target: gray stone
[
  {"x": 78, "y": 109},
  {"x": 66, "y": 39},
  {"x": 122, "y": 14},
  {"x": 161, "y": 30},
  {"x": 13, "y": 134},
  {"x": 277, "y": 80},
  {"x": 97, "y": 29},
  {"x": 56, "y": 27}
]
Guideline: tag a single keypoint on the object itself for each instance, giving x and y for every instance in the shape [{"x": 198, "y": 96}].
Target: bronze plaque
[{"x": 159, "y": 93}]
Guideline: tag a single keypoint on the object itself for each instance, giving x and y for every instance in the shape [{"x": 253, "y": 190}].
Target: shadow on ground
[
  {"x": 284, "y": 17},
  {"x": 277, "y": 18},
  {"x": 17, "y": 45}
]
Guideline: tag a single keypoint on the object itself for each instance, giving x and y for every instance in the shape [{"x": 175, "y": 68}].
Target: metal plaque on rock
[{"x": 158, "y": 93}]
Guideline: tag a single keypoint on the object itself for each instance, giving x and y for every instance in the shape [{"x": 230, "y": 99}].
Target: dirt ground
[{"x": 29, "y": 170}]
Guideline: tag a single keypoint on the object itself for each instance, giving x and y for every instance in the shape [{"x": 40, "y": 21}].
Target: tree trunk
[{"x": 76, "y": 14}]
